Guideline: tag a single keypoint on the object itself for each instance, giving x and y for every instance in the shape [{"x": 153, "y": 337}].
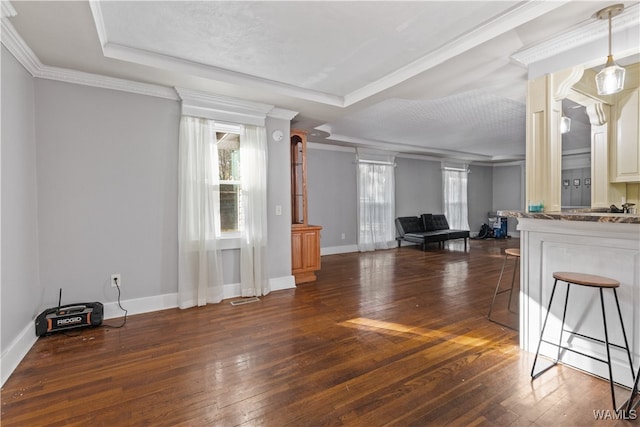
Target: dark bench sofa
[{"x": 427, "y": 228}]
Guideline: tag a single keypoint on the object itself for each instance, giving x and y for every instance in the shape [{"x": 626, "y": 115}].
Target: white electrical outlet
[
  {"x": 278, "y": 210},
  {"x": 116, "y": 279}
]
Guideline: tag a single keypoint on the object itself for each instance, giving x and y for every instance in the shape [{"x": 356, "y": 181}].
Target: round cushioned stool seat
[
  {"x": 512, "y": 252},
  {"x": 586, "y": 279}
]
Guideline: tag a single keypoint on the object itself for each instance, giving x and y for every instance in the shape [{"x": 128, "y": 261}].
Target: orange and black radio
[{"x": 70, "y": 316}]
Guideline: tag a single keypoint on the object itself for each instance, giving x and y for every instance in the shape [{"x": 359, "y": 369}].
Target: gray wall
[
  {"x": 107, "y": 184},
  {"x": 89, "y": 188},
  {"x": 508, "y": 191},
  {"x": 20, "y": 287},
  {"x": 480, "y": 195},
  {"x": 332, "y": 192},
  {"x": 279, "y": 194},
  {"x": 418, "y": 187},
  {"x": 332, "y": 195}
]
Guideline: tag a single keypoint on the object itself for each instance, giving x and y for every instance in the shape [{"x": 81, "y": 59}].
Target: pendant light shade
[{"x": 610, "y": 79}]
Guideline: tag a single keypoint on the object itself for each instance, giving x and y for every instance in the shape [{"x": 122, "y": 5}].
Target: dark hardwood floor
[{"x": 396, "y": 337}]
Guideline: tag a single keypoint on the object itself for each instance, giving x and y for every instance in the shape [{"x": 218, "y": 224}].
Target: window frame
[{"x": 228, "y": 239}]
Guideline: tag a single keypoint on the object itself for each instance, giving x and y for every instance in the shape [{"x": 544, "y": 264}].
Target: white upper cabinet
[{"x": 625, "y": 149}]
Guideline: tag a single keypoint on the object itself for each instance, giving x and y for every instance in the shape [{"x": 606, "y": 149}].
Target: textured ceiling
[
  {"x": 474, "y": 122},
  {"x": 332, "y": 47},
  {"x": 420, "y": 77}
]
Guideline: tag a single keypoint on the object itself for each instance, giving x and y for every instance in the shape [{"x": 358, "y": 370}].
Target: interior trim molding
[
  {"x": 218, "y": 107},
  {"x": 16, "y": 45},
  {"x": 586, "y": 32},
  {"x": 21, "y": 345},
  {"x": 282, "y": 283},
  {"x": 16, "y": 351},
  {"x": 506, "y": 21},
  {"x": 282, "y": 113},
  {"x": 7, "y": 9},
  {"x": 335, "y": 250}
]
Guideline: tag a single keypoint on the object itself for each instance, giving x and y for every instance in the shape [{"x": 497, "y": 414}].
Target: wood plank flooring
[{"x": 396, "y": 337}]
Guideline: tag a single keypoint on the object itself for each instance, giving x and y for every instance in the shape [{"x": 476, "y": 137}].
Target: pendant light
[{"x": 611, "y": 78}]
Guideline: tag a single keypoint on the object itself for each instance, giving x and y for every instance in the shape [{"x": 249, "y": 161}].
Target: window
[
  {"x": 455, "y": 197},
  {"x": 376, "y": 201},
  {"x": 228, "y": 146}
]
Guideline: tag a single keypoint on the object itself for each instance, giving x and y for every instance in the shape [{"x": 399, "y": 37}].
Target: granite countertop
[{"x": 576, "y": 216}]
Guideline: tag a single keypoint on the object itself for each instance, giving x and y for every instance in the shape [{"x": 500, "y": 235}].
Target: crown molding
[
  {"x": 281, "y": 113},
  {"x": 18, "y": 48},
  {"x": 156, "y": 60},
  {"x": 329, "y": 147},
  {"x": 96, "y": 12},
  {"x": 396, "y": 147},
  {"x": 25, "y": 56},
  {"x": 7, "y": 9},
  {"x": 507, "y": 21},
  {"x": 202, "y": 99},
  {"x": 104, "y": 82},
  {"x": 586, "y": 32},
  {"x": 138, "y": 56}
]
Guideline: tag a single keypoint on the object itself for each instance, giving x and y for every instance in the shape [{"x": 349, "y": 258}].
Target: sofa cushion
[
  {"x": 409, "y": 224},
  {"x": 440, "y": 222},
  {"x": 427, "y": 222}
]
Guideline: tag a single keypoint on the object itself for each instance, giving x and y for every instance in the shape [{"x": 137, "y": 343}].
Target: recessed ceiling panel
[
  {"x": 330, "y": 47},
  {"x": 473, "y": 122}
]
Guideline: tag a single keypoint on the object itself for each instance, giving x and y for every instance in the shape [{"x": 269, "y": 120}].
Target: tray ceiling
[{"x": 421, "y": 77}]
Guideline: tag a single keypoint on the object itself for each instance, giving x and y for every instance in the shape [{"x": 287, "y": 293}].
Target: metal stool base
[
  {"x": 606, "y": 342},
  {"x": 499, "y": 291}
]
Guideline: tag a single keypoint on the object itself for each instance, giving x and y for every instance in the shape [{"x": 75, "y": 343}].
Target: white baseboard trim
[
  {"x": 17, "y": 350},
  {"x": 334, "y": 250},
  {"x": 282, "y": 283},
  {"x": 141, "y": 305},
  {"x": 20, "y": 346}
]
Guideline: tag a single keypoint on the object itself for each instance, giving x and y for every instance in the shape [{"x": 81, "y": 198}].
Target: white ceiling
[{"x": 419, "y": 77}]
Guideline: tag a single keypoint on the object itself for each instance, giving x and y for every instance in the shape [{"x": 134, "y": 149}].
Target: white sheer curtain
[
  {"x": 376, "y": 205},
  {"x": 253, "y": 176},
  {"x": 455, "y": 197},
  {"x": 199, "y": 266}
]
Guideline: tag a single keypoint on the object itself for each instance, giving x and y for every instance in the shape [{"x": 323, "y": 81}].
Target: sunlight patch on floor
[{"x": 400, "y": 329}]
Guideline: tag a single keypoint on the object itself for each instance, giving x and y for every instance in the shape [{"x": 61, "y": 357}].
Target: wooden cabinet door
[
  {"x": 305, "y": 252},
  {"x": 311, "y": 249}
]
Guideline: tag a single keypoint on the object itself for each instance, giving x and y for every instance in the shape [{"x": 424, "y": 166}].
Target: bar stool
[
  {"x": 513, "y": 252},
  {"x": 632, "y": 402},
  {"x": 593, "y": 281}
]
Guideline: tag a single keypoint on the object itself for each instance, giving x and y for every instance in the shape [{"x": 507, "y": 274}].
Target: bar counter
[
  {"x": 589, "y": 216},
  {"x": 605, "y": 244}
]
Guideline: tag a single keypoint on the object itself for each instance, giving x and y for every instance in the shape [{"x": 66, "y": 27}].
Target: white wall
[{"x": 21, "y": 291}]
